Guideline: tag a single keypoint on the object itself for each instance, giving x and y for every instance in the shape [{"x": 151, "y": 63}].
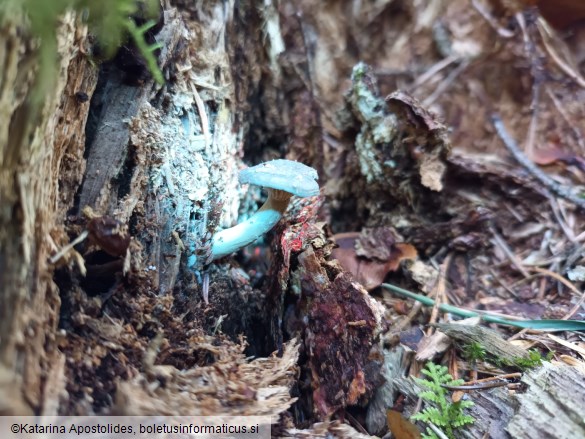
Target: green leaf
[{"x": 541, "y": 325}]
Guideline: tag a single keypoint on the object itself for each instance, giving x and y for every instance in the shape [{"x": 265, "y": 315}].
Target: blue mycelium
[{"x": 283, "y": 178}]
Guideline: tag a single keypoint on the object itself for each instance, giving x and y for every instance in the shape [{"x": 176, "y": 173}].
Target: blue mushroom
[{"x": 283, "y": 179}]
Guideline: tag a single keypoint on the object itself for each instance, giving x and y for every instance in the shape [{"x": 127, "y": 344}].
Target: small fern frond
[
  {"x": 463, "y": 420},
  {"x": 430, "y": 434},
  {"x": 440, "y": 411},
  {"x": 107, "y": 19},
  {"x": 146, "y": 50},
  {"x": 430, "y": 396}
]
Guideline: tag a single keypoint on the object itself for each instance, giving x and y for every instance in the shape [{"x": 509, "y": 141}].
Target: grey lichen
[{"x": 377, "y": 126}]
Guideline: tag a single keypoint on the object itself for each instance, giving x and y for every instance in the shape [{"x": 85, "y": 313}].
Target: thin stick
[
  {"x": 68, "y": 247},
  {"x": 434, "y": 69},
  {"x": 499, "y": 242},
  {"x": 506, "y": 376},
  {"x": 535, "y": 68},
  {"x": 445, "y": 84},
  {"x": 549, "y": 183},
  {"x": 546, "y": 34},
  {"x": 202, "y": 116},
  {"x": 570, "y": 124},
  {"x": 570, "y": 286},
  {"x": 440, "y": 296},
  {"x": 492, "y": 21},
  {"x": 469, "y": 387},
  {"x": 437, "y": 431}
]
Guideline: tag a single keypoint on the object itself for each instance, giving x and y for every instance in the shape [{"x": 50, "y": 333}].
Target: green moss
[
  {"x": 533, "y": 360},
  {"x": 474, "y": 352}
]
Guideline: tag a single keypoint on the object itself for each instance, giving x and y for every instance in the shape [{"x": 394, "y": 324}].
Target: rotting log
[
  {"x": 491, "y": 341},
  {"x": 40, "y": 142},
  {"x": 492, "y": 410},
  {"x": 161, "y": 161},
  {"x": 549, "y": 404},
  {"x": 552, "y": 405}
]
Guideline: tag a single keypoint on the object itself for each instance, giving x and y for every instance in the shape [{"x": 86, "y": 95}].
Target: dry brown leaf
[
  {"x": 401, "y": 427},
  {"x": 562, "y": 13},
  {"x": 370, "y": 272}
]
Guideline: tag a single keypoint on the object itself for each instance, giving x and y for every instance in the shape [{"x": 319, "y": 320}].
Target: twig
[
  {"x": 355, "y": 423},
  {"x": 507, "y": 376},
  {"x": 549, "y": 183},
  {"x": 445, "y": 84},
  {"x": 433, "y": 70},
  {"x": 437, "y": 431},
  {"x": 499, "y": 242},
  {"x": 202, "y": 116},
  {"x": 572, "y": 125},
  {"x": 568, "y": 344},
  {"x": 502, "y": 283},
  {"x": 440, "y": 296},
  {"x": 481, "y": 386},
  {"x": 536, "y": 69},
  {"x": 492, "y": 21},
  {"x": 68, "y": 247},
  {"x": 546, "y": 34},
  {"x": 205, "y": 288},
  {"x": 556, "y": 209},
  {"x": 570, "y": 286}
]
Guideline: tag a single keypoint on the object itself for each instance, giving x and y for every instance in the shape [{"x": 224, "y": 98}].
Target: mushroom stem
[{"x": 231, "y": 240}]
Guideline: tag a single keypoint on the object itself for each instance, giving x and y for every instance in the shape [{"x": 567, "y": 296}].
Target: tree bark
[{"x": 41, "y": 140}]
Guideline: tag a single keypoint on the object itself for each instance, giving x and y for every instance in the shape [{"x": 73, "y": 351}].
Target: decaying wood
[
  {"x": 166, "y": 166},
  {"x": 155, "y": 158},
  {"x": 492, "y": 410},
  {"x": 552, "y": 406},
  {"x": 134, "y": 335},
  {"x": 384, "y": 397},
  {"x": 231, "y": 386},
  {"x": 325, "y": 430},
  {"x": 494, "y": 344},
  {"x": 39, "y": 140},
  {"x": 339, "y": 322}
]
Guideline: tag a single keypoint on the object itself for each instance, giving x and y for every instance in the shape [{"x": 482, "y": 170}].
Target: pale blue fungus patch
[{"x": 186, "y": 124}]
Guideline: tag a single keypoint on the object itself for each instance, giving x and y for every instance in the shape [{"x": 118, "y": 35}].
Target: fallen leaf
[
  {"x": 384, "y": 255},
  {"x": 401, "y": 427},
  {"x": 562, "y": 13}
]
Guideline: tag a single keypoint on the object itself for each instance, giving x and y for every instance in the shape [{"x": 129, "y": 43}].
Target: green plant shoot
[{"x": 439, "y": 410}]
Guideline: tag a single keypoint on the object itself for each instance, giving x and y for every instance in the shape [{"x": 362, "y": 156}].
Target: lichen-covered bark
[{"x": 552, "y": 405}]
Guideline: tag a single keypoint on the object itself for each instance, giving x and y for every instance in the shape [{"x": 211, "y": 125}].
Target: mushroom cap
[{"x": 285, "y": 175}]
